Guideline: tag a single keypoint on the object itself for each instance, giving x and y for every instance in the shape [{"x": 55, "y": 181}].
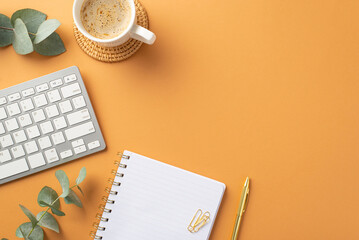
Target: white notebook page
[{"x": 157, "y": 201}]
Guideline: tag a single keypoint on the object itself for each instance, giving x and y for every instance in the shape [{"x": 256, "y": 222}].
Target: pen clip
[{"x": 246, "y": 201}]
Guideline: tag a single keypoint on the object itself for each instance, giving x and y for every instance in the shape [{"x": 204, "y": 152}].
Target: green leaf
[
  {"x": 29, "y": 215},
  {"x": 54, "y": 210},
  {"x": 81, "y": 176},
  {"x": 48, "y": 195},
  {"x": 72, "y": 198},
  {"x": 4, "y": 239},
  {"x": 22, "y": 42},
  {"x": 24, "y": 229},
  {"x": 23, "y": 234},
  {"x": 51, "y": 46},
  {"x": 32, "y": 18},
  {"x": 48, "y": 221},
  {"x": 46, "y": 29},
  {"x": 64, "y": 182},
  {"x": 78, "y": 187},
  {"x": 6, "y": 36}
]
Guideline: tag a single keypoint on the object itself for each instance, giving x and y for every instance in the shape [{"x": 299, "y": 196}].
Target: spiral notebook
[{"x": 150, "y": 200}]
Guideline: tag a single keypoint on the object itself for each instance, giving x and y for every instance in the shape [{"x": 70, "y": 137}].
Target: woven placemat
[{"x": 113, "y": 54}]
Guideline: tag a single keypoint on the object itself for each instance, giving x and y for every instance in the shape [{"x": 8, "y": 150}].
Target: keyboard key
[
  {"x": 2, "y": 129},
  {"x": 70, "y": 78},
  {"x": 78, "y": 142},
  {"x": 25, "y": 120},
  {"x": 19, "y": 136},
  {"x": 6, "y": 141},
  {"x": 51, "y": 155},
  {"x": 65, "y": 106},
  {"x": 66, "y": 154},
  {"x": 56, "y": 83},
  {"x": 28, "y": 92},
  {"x": 36, "y": 160},
  {"x": 46, "y": 127},
  {"x": 13, "y": 109},
  {"x": 79, "y": 131},
  {"x": 44, "y": 142},
  {"x": 40, "y": 100},
  {"x": 80, "y": 149},
  {"x": 33, "y": 132},
  {"x": 38, "y": 115},
  {"x": 58, "y": 138},
  {"x": 79, "y": 102},
  {"x": 54, "y": 96},
  {"x": 60, "y": 123},
  {"x": 71, "y": 90},
  {"x": 2, "y": 101},
  {"x": 52, "y": 111},
  {"x": 5, "y": 156},
  {"x": 94, "y": 144},
  {"x": 79, "y": 116},
  {"x": 3, "y": 114},
  {"x": 31, "y": 147},
  {"x": 13, "y": 168},
  {"x": 11, "y": 124},
  {"x": 42, "y": 87},
  {"x": 18, "y": 151},
  {"x": 26, "y": 105},
  {"x": 14, "y": 97}
]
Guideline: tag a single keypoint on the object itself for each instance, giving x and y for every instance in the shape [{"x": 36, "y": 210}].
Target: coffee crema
[{"x": 105, "y": 19}]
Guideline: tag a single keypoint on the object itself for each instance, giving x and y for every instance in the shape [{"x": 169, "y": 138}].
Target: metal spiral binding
[{"x": 106, "y": 200}]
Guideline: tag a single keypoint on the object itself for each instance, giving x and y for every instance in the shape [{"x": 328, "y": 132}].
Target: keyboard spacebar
[
  {"x": 79, "y": 131},
  {"x": 12, "y": 168}
]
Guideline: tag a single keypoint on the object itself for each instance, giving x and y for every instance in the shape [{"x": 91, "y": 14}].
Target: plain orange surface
[{"x": 266, "y": 89}]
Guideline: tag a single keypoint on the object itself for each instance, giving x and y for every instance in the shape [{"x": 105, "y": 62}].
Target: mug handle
[{"x": 142, "y": 34}]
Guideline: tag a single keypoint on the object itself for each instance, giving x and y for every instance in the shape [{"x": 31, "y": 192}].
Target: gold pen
[{"x": 242, "y": 208}]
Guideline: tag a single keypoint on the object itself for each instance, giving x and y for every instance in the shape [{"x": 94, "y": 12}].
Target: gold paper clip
[{"x": 198, "y": 221}]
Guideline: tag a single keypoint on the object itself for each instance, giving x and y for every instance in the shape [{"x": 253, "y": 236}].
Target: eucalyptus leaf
[
  {"x": 29, "y": 215},
  {"x": 48, "y": 195},
  {"x": 48, "y": 221},
  {"x": 64, "y": 182},
  {"x": 46, "y": 29},
  {"x": 81, "y": 176},
  {"x": 51, "y": 46},
  {"x": 6, "y": 35},
  {"x": 23, "y": 234},
  {"x": 24, "y": 229},
  {"x": 78, "y": 187},
  {"x": 72, "y": 198},
  {"x": 31, "y": 17},
  {"x": 54, "y": 210},
  {"x": 22, "y": 42}
]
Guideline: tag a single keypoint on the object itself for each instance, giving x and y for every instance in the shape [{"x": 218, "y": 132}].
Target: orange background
[{"x": 267, "y": 89}]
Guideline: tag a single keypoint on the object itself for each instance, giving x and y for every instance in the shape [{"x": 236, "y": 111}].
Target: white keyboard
[{"x": 46, "y": 122}]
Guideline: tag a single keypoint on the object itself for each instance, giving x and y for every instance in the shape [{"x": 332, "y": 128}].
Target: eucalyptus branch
[
  {"x": 47, "y": 209},
  {"x": 12, "y": 29},
  {"x": 51, "y": 200},
  {"x": 28, "y": 30}
]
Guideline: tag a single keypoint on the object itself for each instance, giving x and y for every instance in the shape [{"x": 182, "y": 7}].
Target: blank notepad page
[{"x": 156, "y": 201}]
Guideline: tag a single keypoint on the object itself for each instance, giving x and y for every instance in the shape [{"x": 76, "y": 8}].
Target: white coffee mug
[{"x": 132, "y": 31}]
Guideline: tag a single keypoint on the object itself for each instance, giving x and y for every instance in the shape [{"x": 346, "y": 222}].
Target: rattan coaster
[{"x": 113, "y": 54}]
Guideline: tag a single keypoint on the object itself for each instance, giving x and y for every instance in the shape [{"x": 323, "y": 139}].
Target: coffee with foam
[{"x": 105, "y": 19}]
